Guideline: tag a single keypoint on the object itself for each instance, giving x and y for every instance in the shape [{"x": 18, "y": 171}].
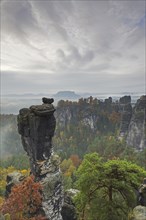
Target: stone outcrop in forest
[
  {"x": 36, "y": 125},
  {"x": 12, "y": 180},
  {"x": 125, "y": 108},
  {"x": 139, "y": 213}
]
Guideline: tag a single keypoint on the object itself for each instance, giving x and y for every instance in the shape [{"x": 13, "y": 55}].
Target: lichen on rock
[{"x": 139, "y": 213}]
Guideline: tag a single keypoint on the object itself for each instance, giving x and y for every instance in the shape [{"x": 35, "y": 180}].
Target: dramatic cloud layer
[{"x": 92, "y": 46}]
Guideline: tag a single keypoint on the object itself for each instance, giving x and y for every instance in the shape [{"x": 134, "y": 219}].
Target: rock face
[
  {"x": 137, "y": 127},
  {"x": 12, "y": 180},
  {"x": 68, "y": 210},
  {"x": 87, "y": 112},
  {"x": 96, "y": 115},
  {"x": 125, "y": 108},
  {"x": 36, "y": 126},
  {"x": 139, "y": 213}
]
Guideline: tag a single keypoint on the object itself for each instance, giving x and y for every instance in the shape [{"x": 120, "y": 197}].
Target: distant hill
[{"x": 66, "y": 95}]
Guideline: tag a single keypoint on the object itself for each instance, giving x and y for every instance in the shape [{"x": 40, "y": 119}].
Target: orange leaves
[
  {"x": 115, "y": 117},
  {"x": 25, "y": 198},
  {"x": 75, "y": 159}
]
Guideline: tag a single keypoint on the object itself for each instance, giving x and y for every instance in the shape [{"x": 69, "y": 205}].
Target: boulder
[
  {"x": 139, "y": 213},
  {"x": 12, "y": 180}
]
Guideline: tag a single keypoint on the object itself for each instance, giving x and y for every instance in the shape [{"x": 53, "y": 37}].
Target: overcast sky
[{"x": 83, "y": 46}]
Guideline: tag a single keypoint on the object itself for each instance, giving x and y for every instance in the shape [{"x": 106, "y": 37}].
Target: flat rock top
[{"x": 43, "y": 109}]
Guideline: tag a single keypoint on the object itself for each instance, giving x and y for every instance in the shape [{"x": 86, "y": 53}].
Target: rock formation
[
  {"x": 12, "y": 180},
  {"x": 36, "y": 126},
  {"x": 139, "y": 213},
  {"x": 137, "y": 127},
  {"x": 68, "y": 210},
  {"x": 125, "y": 108}
]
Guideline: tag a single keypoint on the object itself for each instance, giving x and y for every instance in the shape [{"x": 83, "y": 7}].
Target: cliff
[
  {"x": 125, "y": 108},
  {"x": 36, "y": 126},
  {"x": 137, "y": 127},
  {"x": 102, "y": 117},
  {"x": 90, "y": 112}
]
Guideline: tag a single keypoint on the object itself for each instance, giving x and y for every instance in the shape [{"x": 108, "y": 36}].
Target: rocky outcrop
[
  {"x": 36, "y": 126},
  {"x": 83, "y": 113},
  {"x": 12, "y": 180},
  {"x": 104, "y": 116},
  {"x": 137, "y": 127},
  {"x": 68, "y": 210},
  {"x": 139, "y": 213},
  {"x": 125, "y": 108}
]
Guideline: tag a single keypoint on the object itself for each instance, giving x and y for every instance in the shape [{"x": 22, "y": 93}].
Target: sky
[{"x": 78, "y": 45}]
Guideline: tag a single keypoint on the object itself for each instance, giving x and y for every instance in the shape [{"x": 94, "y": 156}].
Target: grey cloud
[
  {"x": 16, "y": 17},
  {"x": 48, "y": 83},
  {"x": 81, "y": 42}
]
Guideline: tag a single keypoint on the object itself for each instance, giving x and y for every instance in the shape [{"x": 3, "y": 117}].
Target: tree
[
  {"x": 107, "y": 189},
  {"x": 67, "y": 167},
  {"x": 75, "y": 159},
  {"x": 24, "y": 200}
]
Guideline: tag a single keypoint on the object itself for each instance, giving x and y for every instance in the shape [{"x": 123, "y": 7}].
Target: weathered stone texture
[
  {"x": 36, "y": 126},
  {"x": 137, "y": 127}
]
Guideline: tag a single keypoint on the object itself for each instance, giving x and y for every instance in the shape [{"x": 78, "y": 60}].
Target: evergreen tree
[{"x": 107, "y": 189}]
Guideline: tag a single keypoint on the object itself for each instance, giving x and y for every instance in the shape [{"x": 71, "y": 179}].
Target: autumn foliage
[
  {"x": 75, "y": 159},
  {"x": 24, "y": 200}
]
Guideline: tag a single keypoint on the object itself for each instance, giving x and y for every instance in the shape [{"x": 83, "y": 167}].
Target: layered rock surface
[
  {"x": 137, "y": 127},
  {"x": 125, "y": 108},
  {"x": 36, "y": 126},
  {"x": 91, "y": 113}
]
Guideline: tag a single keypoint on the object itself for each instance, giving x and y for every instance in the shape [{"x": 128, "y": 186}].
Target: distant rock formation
[
  {"x": 36, "y": 126},
  {"x": 66, "y": 95},
  {"x": 137, "y": 127},
  {"x": 125, "y": 108},
  {"x": 95, "y": 114}
]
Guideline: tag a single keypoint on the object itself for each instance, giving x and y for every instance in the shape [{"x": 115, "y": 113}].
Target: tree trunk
[{"x": 110, "y": 193}]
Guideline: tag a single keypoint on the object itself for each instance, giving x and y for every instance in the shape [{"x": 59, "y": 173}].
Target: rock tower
[
  {"x": 137, "y": 128},
  {"x": 36, "y": 125}
]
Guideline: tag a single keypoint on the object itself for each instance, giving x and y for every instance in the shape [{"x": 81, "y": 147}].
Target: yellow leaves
[
  {"x": 2, "y": 184},
  {"x": 70, "y": 171},
  {"x": 3, "y": 175},
  {"x": 25, "y": 172},
  {"x": 7, "y": 216},
  {"x": 5, "y": 171},
  {"x": 67, "y": 167},
  {"x": 1, "y": 200}
]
